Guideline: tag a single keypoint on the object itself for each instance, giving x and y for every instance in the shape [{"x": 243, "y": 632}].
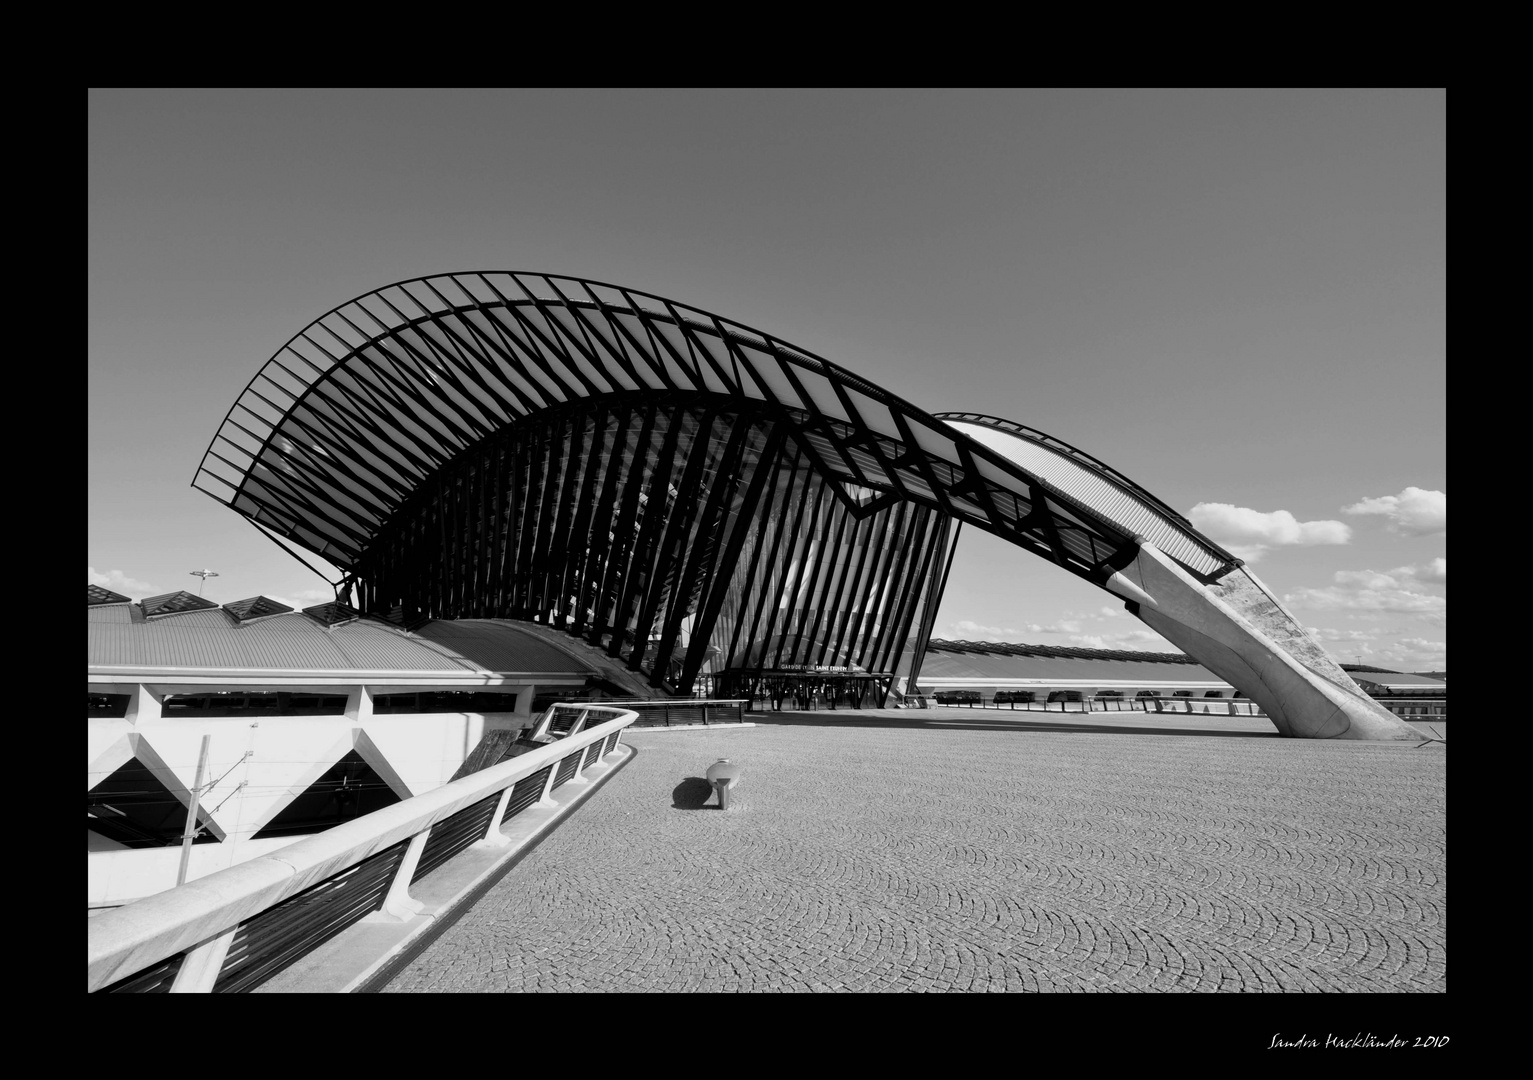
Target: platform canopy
[{"x": 350, "y": 417}]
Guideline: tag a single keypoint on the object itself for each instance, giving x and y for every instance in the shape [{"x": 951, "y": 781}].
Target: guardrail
[
  {"x": 1212, "y": 706},
  {"x": 1196, "y": 706},
  {"x": 664, "y": 713},
  {"x": 233, "y": 930}
]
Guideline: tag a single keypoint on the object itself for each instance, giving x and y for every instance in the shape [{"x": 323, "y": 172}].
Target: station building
[
  {"x": 995, "y": 667},
  {"x": 1414, "y": 697},
  {"x": 521, "y": 481},
  {"x": 310, "y": 719}
]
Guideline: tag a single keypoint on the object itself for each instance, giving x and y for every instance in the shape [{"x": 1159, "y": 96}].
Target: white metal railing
[
  {"x": 201, "y": 917},
  {"x": 687, "y": 711}
]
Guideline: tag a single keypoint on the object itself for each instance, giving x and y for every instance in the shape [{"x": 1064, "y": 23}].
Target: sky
[{"x": 1236, "y": 298}]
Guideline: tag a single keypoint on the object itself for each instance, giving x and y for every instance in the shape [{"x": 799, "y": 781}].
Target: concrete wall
[
  {"x": 1238, "y": 630},
  {"x": 275, "y": 758}
]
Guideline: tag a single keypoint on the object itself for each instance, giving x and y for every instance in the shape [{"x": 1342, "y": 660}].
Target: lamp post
[{"x": 204, "y": 575}]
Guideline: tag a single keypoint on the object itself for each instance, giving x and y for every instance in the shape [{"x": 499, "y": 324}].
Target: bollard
[{"x": 723, "y": 776}]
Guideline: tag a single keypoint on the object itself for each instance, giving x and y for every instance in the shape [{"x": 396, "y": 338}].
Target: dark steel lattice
[{"x": 642, "y": 474}]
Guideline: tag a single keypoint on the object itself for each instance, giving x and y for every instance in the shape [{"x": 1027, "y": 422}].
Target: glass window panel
[
  {"x": 770, "y": 373},
  {"x": 320, "y": 355},
  {"x": 343, "y": 327},
  {"x": 424, "y": 299},
  {"x": 710, "y": 343},
  {"x": 820, "y": 391},
  {"x": 599, "y": 339},
  {"x": 292, "y": 382}
]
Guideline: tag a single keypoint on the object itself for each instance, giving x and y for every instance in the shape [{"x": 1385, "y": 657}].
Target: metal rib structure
[{"x": 683, "y": 490}]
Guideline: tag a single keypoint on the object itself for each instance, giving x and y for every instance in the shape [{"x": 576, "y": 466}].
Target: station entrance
[{"x": 803, "y": 689}]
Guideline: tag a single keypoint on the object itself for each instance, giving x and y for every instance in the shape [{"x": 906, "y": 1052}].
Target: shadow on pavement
[
  {"x": 692, "y": 793},
  {"x": 850, "y": 719}
]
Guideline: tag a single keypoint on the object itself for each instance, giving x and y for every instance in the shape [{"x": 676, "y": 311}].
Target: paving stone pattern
[{"x": 883, "y": 854}]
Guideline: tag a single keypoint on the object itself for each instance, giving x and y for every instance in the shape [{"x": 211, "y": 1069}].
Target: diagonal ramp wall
[{"x": 1238, "y": 630}]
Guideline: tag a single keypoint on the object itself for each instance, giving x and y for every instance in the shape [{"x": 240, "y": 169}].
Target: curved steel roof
[
  {"x": 352, "y": 414},
  {"x": 1101, "y": 487}
]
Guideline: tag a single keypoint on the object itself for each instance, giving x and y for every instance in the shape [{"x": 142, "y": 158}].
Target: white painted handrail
[{"x": 205, "y": 912}]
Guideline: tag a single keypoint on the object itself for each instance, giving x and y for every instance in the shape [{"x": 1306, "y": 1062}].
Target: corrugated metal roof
[
  {"x": 1393, "y": 680},
  {"x": 1067, "y": 652},
  {"x": 113, "y": 613},
  {"x": 212, "y": 641}
]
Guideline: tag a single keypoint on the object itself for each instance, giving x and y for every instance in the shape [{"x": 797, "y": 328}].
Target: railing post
[
  {"x": 493, "y": 837},
  {"x": 547, "y": 798},
  {"x": 202, "y": 963},
  {"x": 580, "y": 762},
  {"x": 399, "y": 905}
]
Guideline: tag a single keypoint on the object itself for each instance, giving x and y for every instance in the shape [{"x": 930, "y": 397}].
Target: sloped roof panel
[
  {"x": 95, "y": 594},
  {"x": 293, "y": 643},
  {"x": 498, "y": 645},
  {"x": 1395, "y": 680},
  {"x": 256, "y": 607},
  {"x": 175, "y": 603},
  {"x": 113, "y": 613}
]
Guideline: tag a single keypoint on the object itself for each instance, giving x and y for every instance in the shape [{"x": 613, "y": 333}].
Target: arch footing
[{"x": 1239, "y": 631}]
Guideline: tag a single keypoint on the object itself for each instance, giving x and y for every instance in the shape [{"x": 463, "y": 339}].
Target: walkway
[{"x": 954, "y": 850}]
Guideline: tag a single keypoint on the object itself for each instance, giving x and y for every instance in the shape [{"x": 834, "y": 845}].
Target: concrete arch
[{"x": 1230, "y": 622}]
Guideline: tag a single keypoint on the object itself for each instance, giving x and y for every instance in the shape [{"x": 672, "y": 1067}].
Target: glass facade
[{"x": 690, "y": 535}]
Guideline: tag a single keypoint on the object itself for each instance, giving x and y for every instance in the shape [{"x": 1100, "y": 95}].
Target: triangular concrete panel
[
  {"x": 104, "y": 761},
  {"x": 364, "y": 745},
  {"x": 308, "y": 756},
  {"x": 152, "y": 760}
]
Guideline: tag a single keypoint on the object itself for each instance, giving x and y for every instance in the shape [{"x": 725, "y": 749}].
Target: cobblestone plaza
[{"x": 960, "y": 851}]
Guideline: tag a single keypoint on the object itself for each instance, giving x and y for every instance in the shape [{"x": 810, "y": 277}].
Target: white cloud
[
  {"x": 1418, "y": 653},
  {"x": 1414, "y": 512},
  {"x": 1248, "y": 534},
  {"x": 1399, "y": 601},
  {"x": 119, "y": 582},
  {"x": 968, "y": 630},
  {"x": 1356, "y": 637},
  {"x": 1133, "y": 640},
  {"x": 1063, "y": 626},
  {"x": 305, "y": 598},
  {"x": 1400, "y": 591},
  {"x": 1433, "y": 572}
]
